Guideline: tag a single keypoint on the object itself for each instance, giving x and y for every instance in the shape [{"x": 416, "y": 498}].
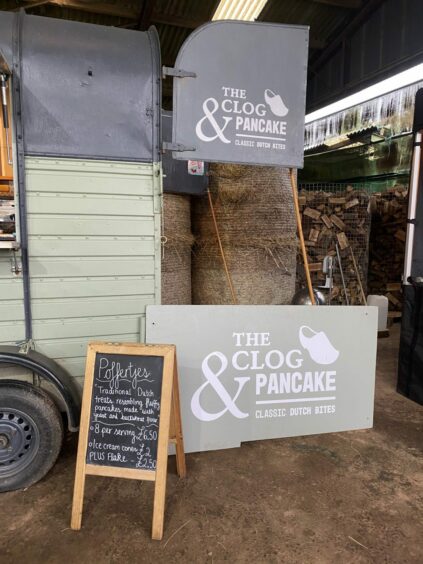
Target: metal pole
[
  {"x": 20, "y": 167},
  {"x": 412, "y": 205}
]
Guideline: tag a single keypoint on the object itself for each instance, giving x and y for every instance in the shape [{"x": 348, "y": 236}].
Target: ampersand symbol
[
  {"x": 212, "y": 379},
  {"x": 208, "y": 115}
]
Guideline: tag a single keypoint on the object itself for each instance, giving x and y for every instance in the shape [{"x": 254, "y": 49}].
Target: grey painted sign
[
  {"x": 247, "y": 101},
  {"x": 261, "y": 372}
]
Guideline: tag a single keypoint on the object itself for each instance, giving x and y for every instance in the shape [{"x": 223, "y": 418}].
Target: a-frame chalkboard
[{"x": 130, "y": 413}]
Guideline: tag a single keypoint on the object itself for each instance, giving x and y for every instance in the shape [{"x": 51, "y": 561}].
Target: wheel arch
[{"x": 50, "y": 371}]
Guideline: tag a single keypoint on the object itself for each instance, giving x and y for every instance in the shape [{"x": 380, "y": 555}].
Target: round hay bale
[
  {"x": 255, "y": 214},
  {"x": 177, "y": 241}
]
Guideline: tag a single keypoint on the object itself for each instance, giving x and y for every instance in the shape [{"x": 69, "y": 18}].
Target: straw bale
[
  {"x": 176, "y": 249},
  {"x": 255, "y": 215}
]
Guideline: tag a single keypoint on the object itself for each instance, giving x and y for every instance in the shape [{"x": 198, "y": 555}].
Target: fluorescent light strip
[
  {"x": 245, "y": 10},
  {"x": 410, "y": 76}
]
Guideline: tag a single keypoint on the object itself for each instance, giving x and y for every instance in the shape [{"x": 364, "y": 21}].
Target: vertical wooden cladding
[{"x": 94, "y": 250}]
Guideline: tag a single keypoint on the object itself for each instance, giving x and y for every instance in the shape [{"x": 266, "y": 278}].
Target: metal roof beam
[
  {"x": 178, "y": 21},
  {"x": 347, "y": 4},
  {"x": 127, "y": 9},
  {"x": 368, "y": 8}
]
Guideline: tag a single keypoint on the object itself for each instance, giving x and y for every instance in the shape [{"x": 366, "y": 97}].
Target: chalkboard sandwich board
[{"x": 130, "y": 413}]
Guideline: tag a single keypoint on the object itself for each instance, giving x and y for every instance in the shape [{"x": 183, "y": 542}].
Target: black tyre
[{"x": 31, "y": 434}]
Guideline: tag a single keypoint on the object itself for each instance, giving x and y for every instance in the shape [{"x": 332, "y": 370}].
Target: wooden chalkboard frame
[{"x": 170, "y": 431}]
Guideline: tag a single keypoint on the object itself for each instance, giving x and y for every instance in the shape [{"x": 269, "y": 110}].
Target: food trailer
[{"x": 82, "y": 260}]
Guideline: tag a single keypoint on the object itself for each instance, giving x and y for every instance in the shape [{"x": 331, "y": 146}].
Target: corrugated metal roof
[
  {"x": 175, "y": 19},
  {"x": 324, "y": 19}
]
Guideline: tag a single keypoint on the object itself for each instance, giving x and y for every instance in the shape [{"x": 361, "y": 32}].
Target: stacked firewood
[
  {"x": 331, "y": 219},
  {"x": 387, "y": 245}
]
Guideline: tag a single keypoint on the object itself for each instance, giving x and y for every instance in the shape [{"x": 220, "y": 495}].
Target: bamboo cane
[
  {"x": 222, "y": 252},
  {"x": 301, "y": 235}
]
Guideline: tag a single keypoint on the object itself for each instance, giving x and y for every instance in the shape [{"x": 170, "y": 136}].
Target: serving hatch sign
[
  {"x": 246, "y": 102},
  {"x": 260, "y": 372}
]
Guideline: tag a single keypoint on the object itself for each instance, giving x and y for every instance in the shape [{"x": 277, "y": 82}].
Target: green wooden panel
[
  {"x": 77, "y": 347},
  {"x": 93, "y": 328},
  {"x": 83, "y": 287},
  {"x": 11, "y": 332},
  {"x": 11, "y": 310},
  {"x": 89, "y": 307},
  {"x": 90, "y": 204},
  {"x": 92, "y": 266},
  {"x": 75, "y": 366},
  {"x": 93, "y": 246},
  {"x": 39, "y": 182},
  {"x": 44, "y": 224},
  {"x": 10, "y": 288}
]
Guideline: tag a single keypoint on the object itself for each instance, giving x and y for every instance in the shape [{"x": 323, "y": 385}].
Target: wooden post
[
  {"x": 177, "y": 425},
  {"x": 300, "y": 234},
  {"x": 80, "y": 473},
  {"x": 163, "y": 445}
]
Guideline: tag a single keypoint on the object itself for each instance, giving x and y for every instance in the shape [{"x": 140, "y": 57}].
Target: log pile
[
  {"x": 331, "y": 218},
  {"x": 387, "y": 245}
]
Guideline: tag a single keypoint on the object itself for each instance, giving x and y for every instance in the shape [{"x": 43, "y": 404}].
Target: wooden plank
[
  {"x": 177, "y": 424},
  {"x": 61, "y": 267},
  {"x": 338, "y": 222},
  {"x": 51, "y": 246},
  {"x": 394, "y": 314},
  {"x": 90, "y": 204},
  {"x": 342, "y": 241},
  {"x": 314, "y": 235},
  {"x": 352, "y": 203},
  {"x": 314, "y": 214},
  {"x": 79, "y": 487},
  {"x": 85, "y": 287},
  {"x": 326, "y": 220},
  {"x": 59, "y": 225},
  {"x": 163, "y": 443},
  {"x": 115, "y": 472},
  {"x": 395, "y": 301},
  {"x": 337, "y": 201},
  {"x": 401, "y": 235}
]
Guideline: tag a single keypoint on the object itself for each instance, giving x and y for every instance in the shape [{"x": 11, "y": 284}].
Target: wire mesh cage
[{"x": 336, "y": 221}]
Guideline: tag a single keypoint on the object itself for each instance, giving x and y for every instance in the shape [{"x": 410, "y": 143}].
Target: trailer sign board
[
  {"x": 261, "y": 372},
  {"x": 246, "y": 102}
]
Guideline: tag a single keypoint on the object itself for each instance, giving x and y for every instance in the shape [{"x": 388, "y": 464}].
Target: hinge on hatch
[
  {"x": 177, "y": 73},
  {"x": 176, "y": 147}
]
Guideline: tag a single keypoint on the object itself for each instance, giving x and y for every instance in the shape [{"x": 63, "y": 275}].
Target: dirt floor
[{"x": 339, "y": 498}]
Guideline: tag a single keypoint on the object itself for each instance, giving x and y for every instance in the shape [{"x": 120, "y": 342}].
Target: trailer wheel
[{"x": 31, "y": 435}]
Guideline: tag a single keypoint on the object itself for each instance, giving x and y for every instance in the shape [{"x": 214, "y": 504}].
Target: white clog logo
[
  {"x": 317, "y": 345},
  {"x": 275, "y": 103}
]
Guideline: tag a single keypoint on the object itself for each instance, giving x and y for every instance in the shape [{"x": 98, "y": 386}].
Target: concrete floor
[{"x": 339, "y": 498}]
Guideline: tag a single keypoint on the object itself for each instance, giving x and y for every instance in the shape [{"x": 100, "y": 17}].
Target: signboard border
[{"x": 170, "y": 431}]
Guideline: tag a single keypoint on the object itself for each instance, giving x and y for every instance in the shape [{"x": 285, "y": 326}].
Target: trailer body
[{"x": 88, "y": 194}]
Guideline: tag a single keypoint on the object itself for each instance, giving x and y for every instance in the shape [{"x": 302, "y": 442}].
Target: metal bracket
[
  {"x": 26, "y": 346},
  {"x": 176, "y": 147},
  {"x": 177, "y": 73}
]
